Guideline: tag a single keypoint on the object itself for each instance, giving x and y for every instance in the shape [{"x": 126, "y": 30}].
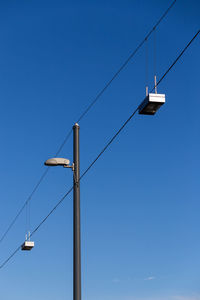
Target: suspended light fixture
[
  {"x": 28, "y": 244},
  {"x": 151, "y": 104}
]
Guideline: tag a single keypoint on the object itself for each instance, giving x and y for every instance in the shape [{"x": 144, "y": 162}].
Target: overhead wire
[
  {"x": 126, "y": 61},
  {"x": 147, "y": 68},
  {"x": 84, "y": 114},
  {"x": 24, "y": 205},
  {"x": 103, "y": 150}
]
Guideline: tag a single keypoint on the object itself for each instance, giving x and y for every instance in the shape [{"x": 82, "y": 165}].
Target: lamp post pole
[{"x": 76, "y": 218}]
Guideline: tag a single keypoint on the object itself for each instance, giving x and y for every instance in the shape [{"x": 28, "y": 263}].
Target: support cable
[
  {"x": 154, "y": 52},
  {"x": 103, "y": 150},
  {"x": 126, "y": 61},
  {"x": 154, "y": 60},
  {"x": 147, "y": 67}
]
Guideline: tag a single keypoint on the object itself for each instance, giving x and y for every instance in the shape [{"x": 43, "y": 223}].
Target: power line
[
  {"x": 179, "y": 56},
  {"x": 103, "y": 150},
  {"x": 22, "y": 208},
  {"x": 126, "y": 62},
  {"x": 84, "y": 114}
]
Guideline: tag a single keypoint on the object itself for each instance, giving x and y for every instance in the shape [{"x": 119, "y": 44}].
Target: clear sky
[{"x": 140, "y": 203}]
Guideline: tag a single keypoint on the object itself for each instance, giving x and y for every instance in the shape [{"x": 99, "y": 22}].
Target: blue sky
[{"x": 140, "y": 203}]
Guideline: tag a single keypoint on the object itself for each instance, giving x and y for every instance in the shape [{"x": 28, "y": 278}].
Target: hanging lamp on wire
[
  {"x": 28, "y": 244},
  {"x": 153, "y": 101}
]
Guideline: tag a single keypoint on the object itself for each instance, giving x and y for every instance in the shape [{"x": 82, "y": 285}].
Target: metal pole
[{"x": 76, "y": 219}]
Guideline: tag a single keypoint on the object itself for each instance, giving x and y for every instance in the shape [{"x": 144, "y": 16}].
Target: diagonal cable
[
  {"x": 85, "y": 112},
  {"x": 102, "y": 151}
]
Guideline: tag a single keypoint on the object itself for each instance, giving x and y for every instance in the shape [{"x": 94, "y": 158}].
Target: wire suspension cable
[
  {"x": 126, "y": 61},
  {"x": 154, "y": 54},
  {"x": 154, "y": 51},
  {"x": 22, "y": 208},
  {"x": 85, "y": 112},
  {"x": 147, "y": 68},
  {"x": 102, "y": 151},
  {"x": 179, "y": 56}
]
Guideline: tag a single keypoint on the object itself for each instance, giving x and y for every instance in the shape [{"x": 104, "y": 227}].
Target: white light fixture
[
  {"x": 27, "y": 245},
  {"x": 151, "y": 104},
  {"x": 57, "y": 161}
]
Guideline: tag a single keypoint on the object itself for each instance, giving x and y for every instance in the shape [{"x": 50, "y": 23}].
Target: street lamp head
[
  {"x": 151, "y": 104},
  {"x": 57, "y": 161}
]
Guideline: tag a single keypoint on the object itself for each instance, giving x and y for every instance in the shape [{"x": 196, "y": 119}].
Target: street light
[
  {"x": 56, "y": 161},
  {"x": 151, "y": 104}
]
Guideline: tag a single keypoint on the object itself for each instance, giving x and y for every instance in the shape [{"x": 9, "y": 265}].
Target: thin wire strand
[
  {"x": 29, "y": 216},
  {"x": 9, "y": 258},
  {"x": 26, "y": 230},
  {"x": 22, "y": 208},
  {"x": 102, "y": 151},
  {"x": 84, "y": 114},
  {"x": 194, "y": 37},
  {"x": 147, "y": 68},
  {"x": 154, "y": 52},
  {"x": 126, "y": 61}
]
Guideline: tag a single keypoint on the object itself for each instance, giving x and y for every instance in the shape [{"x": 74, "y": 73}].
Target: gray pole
[{"x": 76, "y": 219}]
